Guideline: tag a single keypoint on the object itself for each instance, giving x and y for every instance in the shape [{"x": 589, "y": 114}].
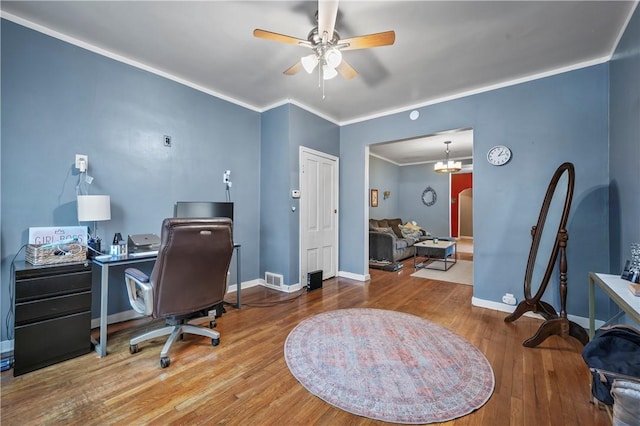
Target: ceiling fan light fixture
[
  {"x": 447, "y": 166},
  {"x": 309, "y": 62},
  {"x": 328, "y": 73},
  {"x": 333, "y": 57}
]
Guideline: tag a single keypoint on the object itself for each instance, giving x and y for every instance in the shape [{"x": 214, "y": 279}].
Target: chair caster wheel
[
  {"x": 164, "y": 362},
  {"x": 212, "y": 324},
  {"x": 215, "y": 342},
  {"x": 133, "y": 349}
]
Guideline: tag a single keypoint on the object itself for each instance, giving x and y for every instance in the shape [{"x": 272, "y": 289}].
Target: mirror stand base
[
  {"x": 539, "y": 307},
  {"x": 560, "y": 327}
]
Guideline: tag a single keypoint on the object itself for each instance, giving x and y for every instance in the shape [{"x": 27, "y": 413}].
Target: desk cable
[{"x": 274, "y": 303}]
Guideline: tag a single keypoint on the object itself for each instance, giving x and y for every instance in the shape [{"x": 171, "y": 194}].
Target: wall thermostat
[{"x": 295, "y": 193}]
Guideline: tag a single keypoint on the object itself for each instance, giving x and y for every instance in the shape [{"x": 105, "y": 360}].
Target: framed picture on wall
[{"x": 374, "y": 198}]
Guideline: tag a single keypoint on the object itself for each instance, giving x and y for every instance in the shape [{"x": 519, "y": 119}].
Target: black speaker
[{"x": 314, "y": 280}]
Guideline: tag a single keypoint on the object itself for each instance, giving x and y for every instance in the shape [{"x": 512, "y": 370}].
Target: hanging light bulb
[
  {"x": 328, "y": 73},
  {"x": 333, "y": 57},
  {"x": 309, "y": 62}
]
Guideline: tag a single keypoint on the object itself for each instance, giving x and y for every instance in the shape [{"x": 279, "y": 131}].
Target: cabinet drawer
[
  {"x": 40, "y": 310},
  {"x": 48, "y": 342},
  {"x": 53, "y": 285}
]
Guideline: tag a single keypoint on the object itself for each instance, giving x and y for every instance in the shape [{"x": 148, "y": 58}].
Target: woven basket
[{"x": 36, "y": 255}]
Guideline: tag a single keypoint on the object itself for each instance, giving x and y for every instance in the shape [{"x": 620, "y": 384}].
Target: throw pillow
[
  {"x": 395, "y": 225},
  {"x": 412, "y": 226},
  {"x": 408, "y": 232}
]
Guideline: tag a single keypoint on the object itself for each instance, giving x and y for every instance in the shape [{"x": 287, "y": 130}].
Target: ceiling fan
[{"x": 327, "y": 46}]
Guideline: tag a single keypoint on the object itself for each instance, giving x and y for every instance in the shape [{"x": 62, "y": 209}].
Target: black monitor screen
[{"x": 203, "y": 209}]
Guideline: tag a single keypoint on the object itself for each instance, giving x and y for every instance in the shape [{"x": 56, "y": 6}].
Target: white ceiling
[
  {"x": 442, "y": 49},
  {"x": 427, "y": 149}
]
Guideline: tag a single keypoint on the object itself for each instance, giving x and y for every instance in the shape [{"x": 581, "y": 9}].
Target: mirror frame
[
  {"x": 538, "y": 229},
  {"x": 554, "y": 324}
]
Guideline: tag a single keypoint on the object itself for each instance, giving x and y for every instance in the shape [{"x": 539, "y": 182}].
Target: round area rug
[{"x": 388, "y": 366}]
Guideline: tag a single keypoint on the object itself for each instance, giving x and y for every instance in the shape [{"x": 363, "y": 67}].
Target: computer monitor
[{"x": 204, "y": 209}]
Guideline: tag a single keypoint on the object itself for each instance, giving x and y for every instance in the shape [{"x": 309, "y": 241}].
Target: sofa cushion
[
  {"x": 395, "y": 225},
  {"x": 402, "y": 243}
]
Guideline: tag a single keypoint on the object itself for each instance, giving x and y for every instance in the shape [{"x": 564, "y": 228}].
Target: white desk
[
  {"x": 618, "y": 290},
  {"x": 104, "y": 262}
]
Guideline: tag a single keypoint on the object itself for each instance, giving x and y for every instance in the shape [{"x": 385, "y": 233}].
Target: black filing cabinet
[{"x": 52, "y": 314}]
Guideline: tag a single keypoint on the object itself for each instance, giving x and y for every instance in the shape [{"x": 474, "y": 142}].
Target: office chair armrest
[{"x": 140, "y": 291}]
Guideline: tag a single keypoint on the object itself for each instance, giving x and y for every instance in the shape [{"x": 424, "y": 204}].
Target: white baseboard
[
  {"x": 352, "y": 276},
  {"x": 117, "y": 317},
  {"x": 503, "y": 307},
  {"x": 245, "y": 284},
  {"x": 6, "y": 346},
  {"x": 285, "y": 288}
]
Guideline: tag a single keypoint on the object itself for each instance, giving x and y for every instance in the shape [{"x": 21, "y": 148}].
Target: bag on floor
[{"x": 613, "y": 350}]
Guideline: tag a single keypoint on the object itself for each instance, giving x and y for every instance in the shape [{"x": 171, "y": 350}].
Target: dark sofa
[{"x": 387, "y": 242}]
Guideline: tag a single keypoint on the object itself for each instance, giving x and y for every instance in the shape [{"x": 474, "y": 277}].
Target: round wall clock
[
  {"x": 499, "y": 155},
  {"x": 429, "y": 196}
]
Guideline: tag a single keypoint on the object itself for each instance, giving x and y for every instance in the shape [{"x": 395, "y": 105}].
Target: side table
[{"x": 444, "y": 251}]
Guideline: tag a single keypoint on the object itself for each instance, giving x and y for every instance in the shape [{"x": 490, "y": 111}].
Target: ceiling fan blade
[
  {"x": 327, "y": 13},
  {"x": 293, "y": 69},
  {"x": 372, "y": 40},
  {"x": 346, "y": 71},
  {"x": 278, "y": 37}
]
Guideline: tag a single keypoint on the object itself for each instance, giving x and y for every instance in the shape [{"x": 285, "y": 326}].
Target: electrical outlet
[
  {"x": 82, "y": 162},
  {"x": 167, "y": 140}
]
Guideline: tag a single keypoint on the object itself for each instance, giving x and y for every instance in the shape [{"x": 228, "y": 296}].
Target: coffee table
[{"x": 444, "y": 251}]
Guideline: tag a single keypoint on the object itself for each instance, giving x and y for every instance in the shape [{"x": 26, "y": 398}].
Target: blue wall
[
  {"x": 413, "y": 181},
  {"x": 624, "y": 145},
  {"x": 545, "y": 122},
  {"x": 406, "y": 184},
  {"x": 275, "y": 218},
  {"x": 285, "y": 130},
  {"x": 384, "y": 176},
  {"x": 59, "y": 100}
]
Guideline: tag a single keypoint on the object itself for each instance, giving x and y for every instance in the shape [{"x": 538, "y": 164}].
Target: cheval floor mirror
[{"x": 550, "y": 236}]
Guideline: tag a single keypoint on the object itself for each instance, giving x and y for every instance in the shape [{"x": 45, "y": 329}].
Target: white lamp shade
[
  {"x": 447, "y": 167},
  {"x": 328, "y": 73},
  {"x": 309, "y": 62},
  {"x": 93, "y": 208},
  {"x": 333, "y": 57}
]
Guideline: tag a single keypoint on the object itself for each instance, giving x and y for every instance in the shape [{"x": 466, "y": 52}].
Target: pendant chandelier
[{"x": 447, "y": 166}]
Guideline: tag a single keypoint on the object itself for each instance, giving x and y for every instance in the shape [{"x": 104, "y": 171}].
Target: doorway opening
[{"x": 400, "y": 171}]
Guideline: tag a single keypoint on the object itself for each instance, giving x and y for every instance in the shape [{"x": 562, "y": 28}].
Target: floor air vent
[{"x": 274, "y": 280}]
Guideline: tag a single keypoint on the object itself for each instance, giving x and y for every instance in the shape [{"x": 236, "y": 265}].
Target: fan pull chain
[{"x": 321, "y": 79}]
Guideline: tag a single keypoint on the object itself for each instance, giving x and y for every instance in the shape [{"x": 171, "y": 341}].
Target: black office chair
[{"x": 188, "y": 278}]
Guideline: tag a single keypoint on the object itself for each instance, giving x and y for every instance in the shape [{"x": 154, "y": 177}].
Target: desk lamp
[{"x": 94, "y": 208}]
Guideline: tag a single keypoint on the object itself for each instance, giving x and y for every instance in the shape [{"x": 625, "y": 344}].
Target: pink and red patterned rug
[{"x": 389, "y": 366}]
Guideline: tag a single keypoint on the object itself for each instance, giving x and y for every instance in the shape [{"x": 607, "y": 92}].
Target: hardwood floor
[{"x": 245, "y": 379}]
